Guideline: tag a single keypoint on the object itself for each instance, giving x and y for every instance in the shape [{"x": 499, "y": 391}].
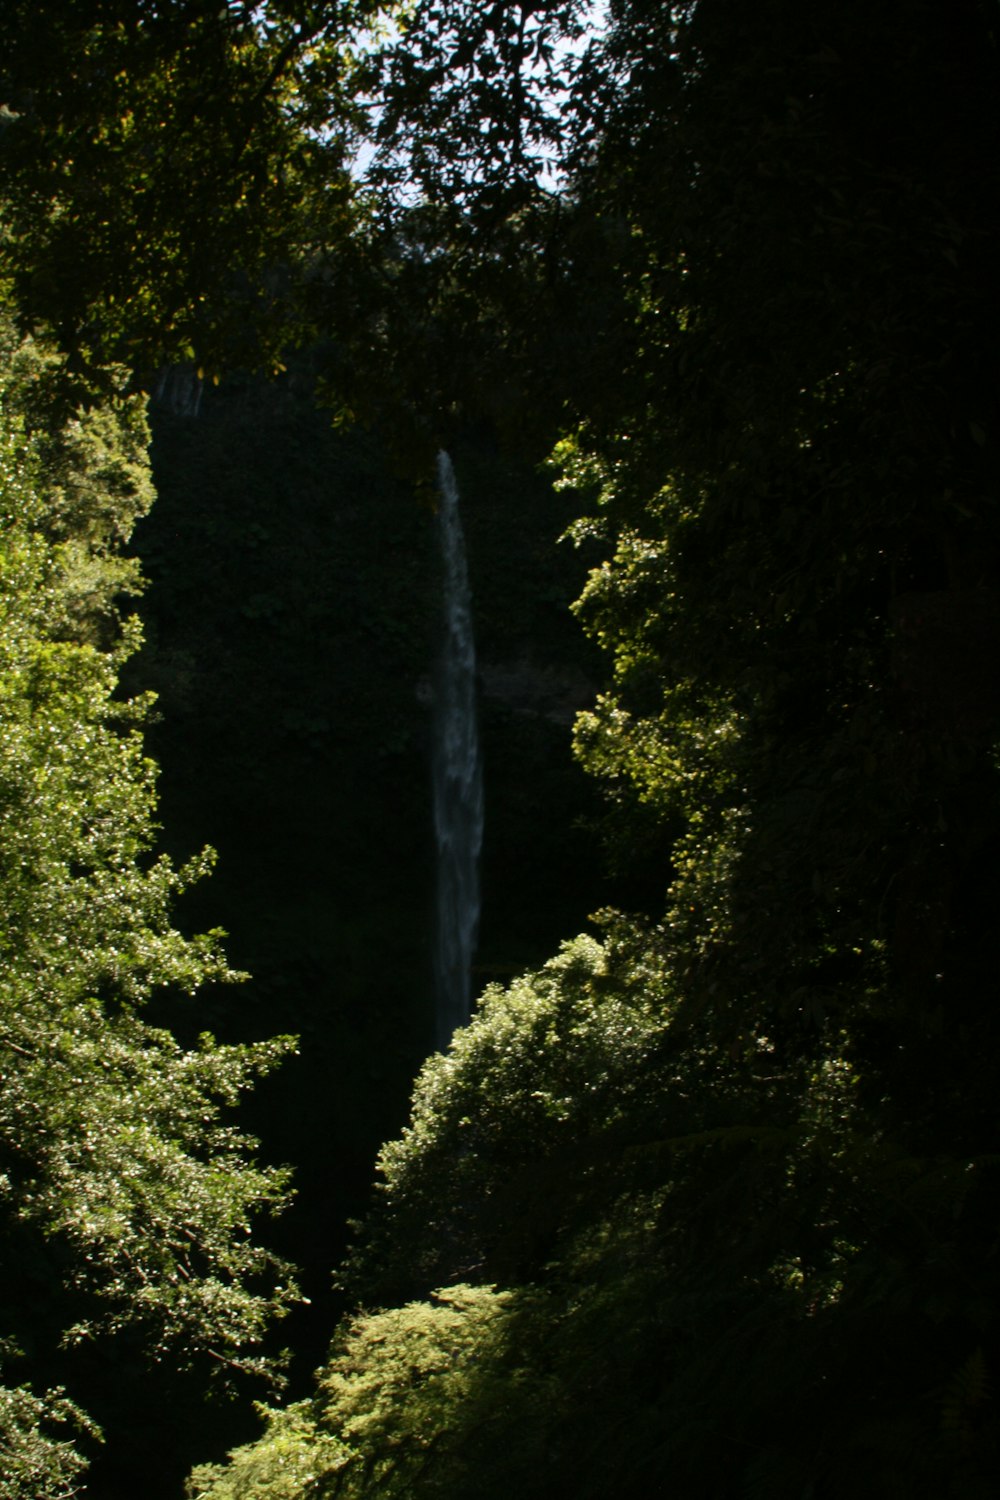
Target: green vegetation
[
  {"x": 706, "y": 1204},
  {"x": 160, "y": 161},
  {"x": 709, "y": 1208},
  {"x": 127, "y": 1199}
]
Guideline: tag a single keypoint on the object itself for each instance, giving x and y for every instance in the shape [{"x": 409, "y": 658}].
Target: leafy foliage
[
  {"x": 126, "y": 1198},
  {"x": 723, "y": 1186},
  {"x": 676, "y": 1266},
  {"x": 470, "y": 280},
  {"x": 497, "y": 1120},
  {"x": 411, "y": 1402},
  {"x": 467, "y": 103},
  {"x": 33, "y": 1460},
  {"x": 801, "y": 527},
  {"x": 160, "y": 161}
]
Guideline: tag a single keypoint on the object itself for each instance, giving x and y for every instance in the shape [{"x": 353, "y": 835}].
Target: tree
[
  {"x": 470, "y": 280},
  {"x": 503, "y": 1125},
  {"x": 127, "y": 1198},
  {"x": 795, "y": 475},
  {"x": 605, "y": 1257},
  {"x": 158, "y": 163}
]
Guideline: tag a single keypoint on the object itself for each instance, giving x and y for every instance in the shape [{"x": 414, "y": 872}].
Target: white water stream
[{"x": 458, "y": 782}]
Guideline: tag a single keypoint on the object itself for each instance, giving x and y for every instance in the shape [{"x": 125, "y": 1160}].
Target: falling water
[{"x": 458, "y": 786}]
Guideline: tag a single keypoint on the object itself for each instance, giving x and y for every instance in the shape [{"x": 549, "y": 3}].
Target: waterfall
[{"x": 458, "y": 785}]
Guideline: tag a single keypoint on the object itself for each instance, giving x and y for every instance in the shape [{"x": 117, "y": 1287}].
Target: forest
[{"x": 702, "y": 299}]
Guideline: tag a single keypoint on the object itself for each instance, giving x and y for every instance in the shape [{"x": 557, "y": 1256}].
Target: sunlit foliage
[{"x": 126, "y": 1199}]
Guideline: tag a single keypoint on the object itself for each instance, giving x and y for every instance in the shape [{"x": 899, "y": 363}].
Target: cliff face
[{"x": 291, "y": 622}]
